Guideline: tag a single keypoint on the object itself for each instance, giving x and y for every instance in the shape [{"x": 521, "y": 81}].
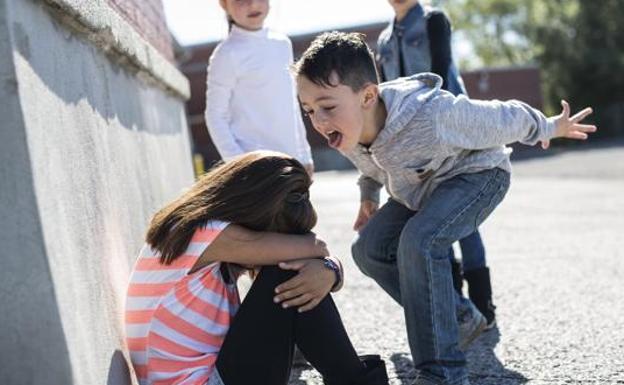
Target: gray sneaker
[{"x": 471, "y": 324}]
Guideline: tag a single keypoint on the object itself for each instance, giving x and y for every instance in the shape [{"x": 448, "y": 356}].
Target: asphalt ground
[{"x": 555, "y": 247}]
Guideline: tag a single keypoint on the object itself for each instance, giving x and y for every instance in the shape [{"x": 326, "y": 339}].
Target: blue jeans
[
  {"x": 472, "y": 252},
  {"x": 406, "y": 252}
]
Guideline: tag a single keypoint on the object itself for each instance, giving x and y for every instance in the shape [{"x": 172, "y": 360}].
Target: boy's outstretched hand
[
  {"x": 568, "y": 126},
  {"x": 367, "y": 209}
]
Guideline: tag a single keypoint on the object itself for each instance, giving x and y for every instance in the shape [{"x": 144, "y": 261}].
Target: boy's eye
[{"x": 329, "y": 108}]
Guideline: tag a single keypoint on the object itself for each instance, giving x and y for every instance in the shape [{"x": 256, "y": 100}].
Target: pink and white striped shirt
[{"x": 175, "y": 321}]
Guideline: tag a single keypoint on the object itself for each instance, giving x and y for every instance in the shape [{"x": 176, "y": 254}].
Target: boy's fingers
[
  {"x": 358, "y": 224},
  {"x": 545, "y": 144},
  {"x": 577, "y": 135},
  {"x": 581, "y": 115},
  {"x": 585, "y": 127},
  {"x": 566, "y": 108}
]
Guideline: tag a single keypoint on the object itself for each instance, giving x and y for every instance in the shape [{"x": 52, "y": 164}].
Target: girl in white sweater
[{"x": 251, "y": 100}]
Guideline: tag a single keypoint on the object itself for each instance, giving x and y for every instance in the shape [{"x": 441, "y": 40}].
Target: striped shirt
[{"x": 175, "y": 321}]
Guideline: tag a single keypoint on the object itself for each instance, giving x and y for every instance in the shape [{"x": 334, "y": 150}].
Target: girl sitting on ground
[{"x": 185, "y": 323}]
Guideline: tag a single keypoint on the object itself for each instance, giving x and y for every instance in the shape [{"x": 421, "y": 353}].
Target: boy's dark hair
[{"x": 346, "y": 53}]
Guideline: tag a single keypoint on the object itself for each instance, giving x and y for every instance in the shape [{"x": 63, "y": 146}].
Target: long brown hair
[{"x": 262, "y": 191}]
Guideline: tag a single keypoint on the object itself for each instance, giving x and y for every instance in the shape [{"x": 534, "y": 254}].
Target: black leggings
[{"x": 258, "y": 348}]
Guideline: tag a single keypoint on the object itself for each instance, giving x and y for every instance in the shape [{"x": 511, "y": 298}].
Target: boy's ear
[{"x": 370, "y": 94}]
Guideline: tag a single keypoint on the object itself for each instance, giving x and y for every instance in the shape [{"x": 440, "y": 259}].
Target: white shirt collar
[{"x": 241, "y": 31}]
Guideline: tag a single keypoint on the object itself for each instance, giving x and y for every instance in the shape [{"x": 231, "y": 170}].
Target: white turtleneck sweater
[{"x": 251, "y": 101}]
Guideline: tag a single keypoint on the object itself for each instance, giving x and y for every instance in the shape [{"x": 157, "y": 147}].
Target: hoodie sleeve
[
  {"x": 478, "y": 124},
  {"x": 369, "y": 188}
]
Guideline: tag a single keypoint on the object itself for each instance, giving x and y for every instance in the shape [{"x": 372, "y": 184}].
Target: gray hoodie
[{"x": 431, "y": 136}]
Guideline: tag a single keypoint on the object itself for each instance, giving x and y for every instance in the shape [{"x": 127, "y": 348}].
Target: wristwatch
[{"x": 330, "y": 264}]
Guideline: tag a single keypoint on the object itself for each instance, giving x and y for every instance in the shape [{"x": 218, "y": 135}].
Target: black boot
[
  {"x": 374, "y": 372},
  {"x": 480, "y": 293},
  {"x": 458, "y": 279}
]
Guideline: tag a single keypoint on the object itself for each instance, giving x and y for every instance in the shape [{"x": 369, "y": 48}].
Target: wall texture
[{"x": 92, "y": 142}]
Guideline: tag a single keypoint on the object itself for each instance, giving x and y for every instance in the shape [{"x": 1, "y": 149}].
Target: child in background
[
  {"x": 251, "y": 102},
  {"x": 183, "y": 318},
  {"x": 419, "y": 40},
  {"x": 444, "y": 163}
]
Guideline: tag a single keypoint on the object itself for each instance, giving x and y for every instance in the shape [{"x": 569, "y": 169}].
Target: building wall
[
  {"x": 522, "y": 83},
  {"x": 93, "y": 139}
]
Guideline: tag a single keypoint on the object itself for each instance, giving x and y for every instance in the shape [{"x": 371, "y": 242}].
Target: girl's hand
[
  {"x": 568, "y": 126},
  {"x": 367, "y": 209},
  {"x": 308, "y": 288}
]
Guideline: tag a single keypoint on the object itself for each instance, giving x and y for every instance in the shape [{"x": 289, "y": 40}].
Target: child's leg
[
  {"x": 259, "y": 345},
  {"x": 375, "y": 248},
  {"x": 323, "y": 340},
  {"x": 454, "y": 211},
  {"x": 477, "y": 275},
  {"x": 473, "y": 251},
  {"x": 456, "y": 270}
]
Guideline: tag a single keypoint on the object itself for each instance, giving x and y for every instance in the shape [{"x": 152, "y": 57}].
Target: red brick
[{"x": 148, "y": 19}]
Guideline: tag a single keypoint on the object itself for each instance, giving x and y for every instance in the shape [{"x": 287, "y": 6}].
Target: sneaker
[
  {"x": 426, "y": 380},
  {"x": 471, "y": 324}
]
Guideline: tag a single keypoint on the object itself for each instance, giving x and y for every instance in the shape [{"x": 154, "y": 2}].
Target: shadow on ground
[{"x": 483, "y": 365}]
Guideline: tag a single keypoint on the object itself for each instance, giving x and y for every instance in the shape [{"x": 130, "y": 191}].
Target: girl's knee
[{"x": 274, "y": 275}]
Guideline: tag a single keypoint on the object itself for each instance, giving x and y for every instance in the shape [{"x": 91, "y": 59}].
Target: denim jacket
[
  {"x": 411, "y": 37},
  {"x": 431, "y": 136}
]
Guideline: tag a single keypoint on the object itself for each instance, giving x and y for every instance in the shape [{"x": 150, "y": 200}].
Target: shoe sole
[{"x": 476, "y": 333}]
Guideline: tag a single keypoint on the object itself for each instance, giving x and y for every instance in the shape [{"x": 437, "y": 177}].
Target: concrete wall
[{"x": 91, "y": 144}]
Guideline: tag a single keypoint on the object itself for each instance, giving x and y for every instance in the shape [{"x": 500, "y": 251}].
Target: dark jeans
[
  {"x": 258, "y": 348},
  {"x": 472, "y": 252},
  {"x": 406, "y": 252}
]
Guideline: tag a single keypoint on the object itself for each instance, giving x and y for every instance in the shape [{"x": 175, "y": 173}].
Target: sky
[{"x": 198, "y": 21}]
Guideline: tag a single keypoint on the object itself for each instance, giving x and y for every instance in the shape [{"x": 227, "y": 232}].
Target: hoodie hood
[{"x": 404, "y": 98}]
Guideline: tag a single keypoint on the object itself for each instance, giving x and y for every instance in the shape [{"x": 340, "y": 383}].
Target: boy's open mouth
[
  {"x": 334, "y": 138},
  {"x": 254, "y": 15}
]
